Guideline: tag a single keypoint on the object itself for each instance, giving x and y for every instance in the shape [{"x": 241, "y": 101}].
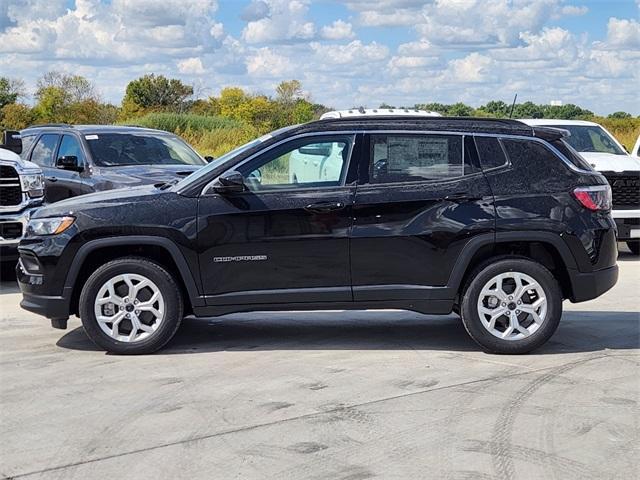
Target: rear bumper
[{"x": 587, "y": 286}]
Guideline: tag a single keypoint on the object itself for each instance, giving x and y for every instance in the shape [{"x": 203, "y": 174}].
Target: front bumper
[
  {"x": 627, "y": 223},
  {"x": 50, "y": 306},
  {"x": 9, "y": 245},
  {"x": 587, "y": 286}
]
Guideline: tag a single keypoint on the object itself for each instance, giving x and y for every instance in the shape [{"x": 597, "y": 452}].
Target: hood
[
  {"x": 608, "y": 162},
  {"x": 7, "y": 157},
  {"x": 132, "y": 175}
]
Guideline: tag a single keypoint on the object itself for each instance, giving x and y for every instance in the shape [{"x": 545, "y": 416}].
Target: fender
[
  {"x": 474, "y": 245},
  {"x": 174, "y": 251}
]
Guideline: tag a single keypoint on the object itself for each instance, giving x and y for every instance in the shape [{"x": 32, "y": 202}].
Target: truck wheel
[
  {"x": 634, "y": 246},
  {"x": 131, "y": 306},
  {"x": 511, "y": 306}
]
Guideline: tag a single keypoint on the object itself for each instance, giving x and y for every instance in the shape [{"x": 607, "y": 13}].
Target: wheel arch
[{"x": 159, "y": 249}]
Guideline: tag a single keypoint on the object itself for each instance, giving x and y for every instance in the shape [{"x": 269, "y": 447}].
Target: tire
[
  {"x": 634, "y": 246},
  {"x": 158, "y": 316},
  {"x": 544, "y": 298}
]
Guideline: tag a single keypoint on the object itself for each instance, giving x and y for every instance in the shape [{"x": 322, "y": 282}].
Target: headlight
[
  {"x": 33, "y": 184},
  {"x": 49, "y": 226}
]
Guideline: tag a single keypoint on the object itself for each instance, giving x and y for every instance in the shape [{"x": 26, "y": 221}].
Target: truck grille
[
  {"x": 10, "y": 191},
  {"x": 625, "y": 187},
  {"x": 10, "y": 230}
]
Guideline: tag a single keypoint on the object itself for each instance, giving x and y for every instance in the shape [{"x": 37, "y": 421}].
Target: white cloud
[
  {"x": 286, "y": 23},
  {"x": 267, "y": 63},
  {"x": 338, "y": 30},
  {"x": 353, "y": 53},
  {"x": 191, "y": 66},
  {"x": 256, "y": 10},
  {"x": 473, "y": 68},
  {"x": 623, "y": 33}
]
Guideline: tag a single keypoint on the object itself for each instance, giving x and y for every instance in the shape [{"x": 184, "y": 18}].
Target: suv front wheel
[
  {"x": 131, "y": 306},
  {"x": 511, "y": 306}
]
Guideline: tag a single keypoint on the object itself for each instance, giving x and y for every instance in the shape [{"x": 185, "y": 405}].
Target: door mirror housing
[
  {"x": 231, "y": 181},
  {"x": 69, "y": 162},
  {"x": 209, "y": 158}
]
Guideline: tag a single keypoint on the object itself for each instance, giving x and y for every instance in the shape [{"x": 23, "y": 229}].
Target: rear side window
[
  {"x": 27, "y": 142},
  {"x": 43, "y": 151},
  {"x": 414, "y": 158},
  {"x": 574, "y": 157},
  {"x": 528, "y": 151},
  {"x": 491, "y": 152}
]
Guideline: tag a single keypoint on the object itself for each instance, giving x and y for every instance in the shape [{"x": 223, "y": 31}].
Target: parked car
[
  {"x": 83, "y": 159},
  {"x": 491, "y": 218},
  {"x": 636, "y": 148},
  {"x": 21, "y": 192},
  {"x": 608, "y": 156}
]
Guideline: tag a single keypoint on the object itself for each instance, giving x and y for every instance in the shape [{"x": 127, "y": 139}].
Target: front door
[
  {"x": 68, "y": 183},
  {"x": 420, "y": 200},
  {"x": 286, "y": 238}
]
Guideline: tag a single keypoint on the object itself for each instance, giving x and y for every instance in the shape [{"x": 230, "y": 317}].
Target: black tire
[
  {"x": 471, "y": 317},
  {"x": 634, "y": 246},
  {"x": 169, "y": 290}
]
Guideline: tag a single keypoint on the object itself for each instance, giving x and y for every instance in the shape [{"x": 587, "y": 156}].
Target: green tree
[
  {"x": 496, "y": 108},
  {"x": 288, "y": 93},
  {"x": 528, "y": 110},
  {"x": 619, "y": 115},
  {"x": 460, "y": 110},
  {"x": 10, "y": 91},
  {"x": 16, "y": 116},
  {"x": 155, "y": 93}
]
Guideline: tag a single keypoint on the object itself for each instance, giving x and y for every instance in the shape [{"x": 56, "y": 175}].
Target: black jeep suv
[
  {"x": 80, "y": 159},
  {"x": 492, "y": 219}
]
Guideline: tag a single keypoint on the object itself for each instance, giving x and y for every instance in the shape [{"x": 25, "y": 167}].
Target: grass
[{"x": 626, "y": 130}]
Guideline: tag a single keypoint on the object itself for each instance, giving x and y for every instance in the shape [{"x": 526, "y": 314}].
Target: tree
[
  {"x": 528, "y": 110},
  {"x": 289, "y": 92},
  {"x": 619, "y": 115},
  {"x": 460, "y": 110},
  {"x": 496, "y": 108},
  {"x": 156, "y": 93},
  {"x": 10, "y": 91},
  {"x": 75, "y": 88},
  {"x": 16, "y": 116}
]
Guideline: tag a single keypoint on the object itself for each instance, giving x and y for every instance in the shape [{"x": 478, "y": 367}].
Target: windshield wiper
[{"x": 165, "y": 185}]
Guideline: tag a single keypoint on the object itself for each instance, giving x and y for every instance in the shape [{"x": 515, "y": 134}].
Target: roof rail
[
  {"x": 381, "y": 112},
  {"x": 50, "y": 125}
]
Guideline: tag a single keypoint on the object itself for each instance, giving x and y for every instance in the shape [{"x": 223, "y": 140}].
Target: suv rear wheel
[
  {"x": 511, "y": 306},
  {"x": 131, "y": 306}
]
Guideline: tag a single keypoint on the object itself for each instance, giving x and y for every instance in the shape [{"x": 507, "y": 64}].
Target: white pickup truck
[
  {"x": 21, "y": 192},
  {"x": 606, "y": 155}
]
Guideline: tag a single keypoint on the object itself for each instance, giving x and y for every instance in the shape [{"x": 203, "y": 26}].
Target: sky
[{"x": 346, "y": 53}]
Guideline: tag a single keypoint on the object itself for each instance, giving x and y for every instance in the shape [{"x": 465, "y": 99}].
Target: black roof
[{"x": 89, "y": 129}]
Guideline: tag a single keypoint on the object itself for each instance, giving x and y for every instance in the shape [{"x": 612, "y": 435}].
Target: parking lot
[{"x": 331, "y": 395}]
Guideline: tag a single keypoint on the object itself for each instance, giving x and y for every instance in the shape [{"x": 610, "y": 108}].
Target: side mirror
[
  {"x": 11, "y": 141},
  {"x": 69, "y": 162},
  {"x": 230, "y": 182},
  {"x": 209, "y": 158}
]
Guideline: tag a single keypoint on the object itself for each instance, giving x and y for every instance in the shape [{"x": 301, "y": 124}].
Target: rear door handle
[
  {"x": 462, "y": 196},
  {"x": 52, "y": 179},
  {"x": 324, "y": 207}
]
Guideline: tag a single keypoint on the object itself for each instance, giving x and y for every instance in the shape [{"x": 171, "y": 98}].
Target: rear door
[
  {"x": 285, "y": 239},
  {"x": 420, "y": 200}
]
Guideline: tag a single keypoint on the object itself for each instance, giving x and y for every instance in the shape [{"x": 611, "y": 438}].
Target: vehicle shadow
[{"x": 587, "y": 331}]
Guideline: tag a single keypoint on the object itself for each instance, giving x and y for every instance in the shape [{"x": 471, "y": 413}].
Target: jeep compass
[{"x": 492, "y": 219}]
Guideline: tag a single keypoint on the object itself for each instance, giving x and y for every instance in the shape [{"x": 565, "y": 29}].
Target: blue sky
[{"x": 346, "y": 52}]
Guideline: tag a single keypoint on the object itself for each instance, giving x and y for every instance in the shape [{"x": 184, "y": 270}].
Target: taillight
[{"x": 594, "y": 198}]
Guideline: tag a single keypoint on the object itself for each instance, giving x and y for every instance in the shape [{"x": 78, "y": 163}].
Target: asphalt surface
[{"x": 325, "y": 395}]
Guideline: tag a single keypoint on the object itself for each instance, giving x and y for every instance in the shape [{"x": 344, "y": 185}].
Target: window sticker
[{"x": 91, "y": 137}]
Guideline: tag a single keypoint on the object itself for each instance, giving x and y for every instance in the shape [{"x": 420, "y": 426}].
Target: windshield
[
  {"x": 588, "y": 138},
  {"x": 228, "y": 156},
  {"x": 120, "y": 149}
]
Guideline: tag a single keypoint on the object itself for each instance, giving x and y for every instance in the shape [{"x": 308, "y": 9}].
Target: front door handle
[
  {"x": 462, "y": 197},
  {"x": 52, "y": 179},
  {"x": 324, "y": 207}
]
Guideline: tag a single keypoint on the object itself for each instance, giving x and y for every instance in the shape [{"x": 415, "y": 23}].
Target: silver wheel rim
[
  {"x": 129, "y": 308},
  {"x": 512, "y": 306}
]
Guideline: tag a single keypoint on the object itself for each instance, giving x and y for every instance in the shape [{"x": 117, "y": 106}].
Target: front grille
[
  {"x": 10, "y": 230},
  {"x": 10, "y": 191},
  {"x": 625, "y": 188}
]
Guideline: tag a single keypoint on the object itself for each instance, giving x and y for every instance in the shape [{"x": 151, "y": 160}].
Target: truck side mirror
[
  {"x": 69, "y": 162},
  {"x": 11, "y": 140}
]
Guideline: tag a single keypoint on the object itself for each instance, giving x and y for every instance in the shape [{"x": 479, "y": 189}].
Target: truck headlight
[
  {"x": 49, "y": 226},
  {"x": 33, "y": 184}
]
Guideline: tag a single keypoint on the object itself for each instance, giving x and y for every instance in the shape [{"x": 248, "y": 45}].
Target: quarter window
[
  {"x": 413, "y": 158},
  {"x": 27, "y": 142},
  {"x": 305, "y": 163},
  {"x": 43, "y": 151},
  {"x": 491, "y": 153}
]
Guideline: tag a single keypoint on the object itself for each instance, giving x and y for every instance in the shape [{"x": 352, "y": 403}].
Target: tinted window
[
  {"x": 44, "y": 150},
  {"x": 118, "y": 149},
  {"x": 573, "y": 156},
  {"x": 528, "y": 151},
  {"x": 70, "y": 147},
  {"x": 411, "y": 158},
  {"x": 491, "y": 153},
  {"x": 27, "y": 142},
  {"x": 591, "y": 138},
  {"x": 306, "y": 162}
]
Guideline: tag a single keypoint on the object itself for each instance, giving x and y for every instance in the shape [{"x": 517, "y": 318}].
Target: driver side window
[{"x": 311, "y": 162}]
